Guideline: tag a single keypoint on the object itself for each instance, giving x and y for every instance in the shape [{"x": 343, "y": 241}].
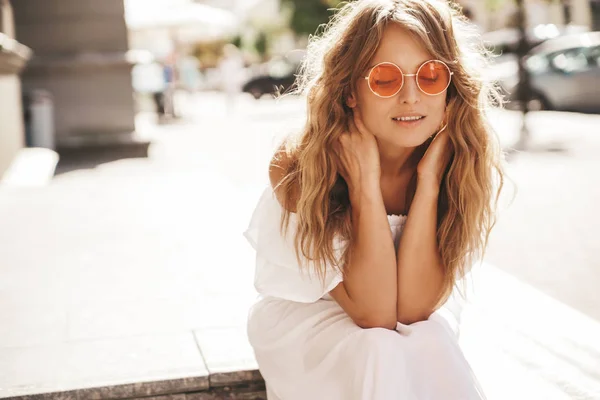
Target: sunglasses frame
[{"x": 367, "y": 78}]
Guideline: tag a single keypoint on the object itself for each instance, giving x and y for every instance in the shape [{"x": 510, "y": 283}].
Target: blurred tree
[
  {"x": 495, "y": 5},
  {"x": 308, "y": 15},
  {"x": 261, "y": 44},
  {"x": 209, "y": 52},
  {"x": 237, "y": 41}
]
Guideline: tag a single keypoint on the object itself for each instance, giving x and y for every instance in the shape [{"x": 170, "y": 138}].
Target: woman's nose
[{"x": 410, "y": 93}]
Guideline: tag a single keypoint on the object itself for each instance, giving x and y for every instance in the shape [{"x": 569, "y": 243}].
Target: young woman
[{"x": 376, "y": 210}]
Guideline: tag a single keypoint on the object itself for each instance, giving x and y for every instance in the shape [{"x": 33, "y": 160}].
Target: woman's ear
[{"x": 351, "y": 100}]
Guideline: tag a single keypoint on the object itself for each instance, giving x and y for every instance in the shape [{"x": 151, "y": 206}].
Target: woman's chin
[
  {"x": 403, "y": 138},
  {"x": 410, "y": 141}
]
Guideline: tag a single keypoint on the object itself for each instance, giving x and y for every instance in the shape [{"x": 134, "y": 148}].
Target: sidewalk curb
[
  {"x": 244, "y": 385},
  {"x": 31, "y": 167}
]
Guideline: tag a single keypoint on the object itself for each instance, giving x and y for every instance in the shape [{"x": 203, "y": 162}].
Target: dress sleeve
[{"x": 278, "y": 273}]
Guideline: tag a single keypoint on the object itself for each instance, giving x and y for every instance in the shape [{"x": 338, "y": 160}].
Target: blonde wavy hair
[{"x": 335, "y": 61}]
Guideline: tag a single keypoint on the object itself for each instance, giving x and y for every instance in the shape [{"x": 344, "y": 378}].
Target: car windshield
[
  {"x": 573, "y": 60},
  {"x": 594, "y": 56},
  {"x": 537, "y": 64}
]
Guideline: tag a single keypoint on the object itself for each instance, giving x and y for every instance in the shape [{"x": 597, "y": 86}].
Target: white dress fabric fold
[{"x": 307, "y": 347}]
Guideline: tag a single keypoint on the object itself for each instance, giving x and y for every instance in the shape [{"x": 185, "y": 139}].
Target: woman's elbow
[
  {"x": 408, "y": 318},
  {"x": 376, "y": 321}
]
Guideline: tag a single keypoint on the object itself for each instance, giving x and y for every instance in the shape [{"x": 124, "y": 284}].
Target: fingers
[
  {"x": 443, "y": 128},
  {"x": 442, "y": 135},
  {"x": 441, "y": 144}
]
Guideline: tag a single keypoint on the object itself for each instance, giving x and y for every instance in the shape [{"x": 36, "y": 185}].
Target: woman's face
[{"x": 380, "y": 114}]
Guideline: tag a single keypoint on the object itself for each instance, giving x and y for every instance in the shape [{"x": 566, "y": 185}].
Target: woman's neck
[{"x": 397, "y": 162}]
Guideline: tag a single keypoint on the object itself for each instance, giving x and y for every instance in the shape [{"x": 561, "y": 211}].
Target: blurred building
[
  {"x": 595, "y": 5},
  {"x": 252, "y": 15},
  {"x": 579, "y": 12},
  {"x": 81, "y": 57},
  {"x": 267, "y": 9},
  {"x": 166, "y": 26},
  {"x": 13, "y": 57}
]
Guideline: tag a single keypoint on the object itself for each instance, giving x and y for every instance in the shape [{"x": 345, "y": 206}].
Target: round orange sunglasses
[{"x": 386, "y": 79}]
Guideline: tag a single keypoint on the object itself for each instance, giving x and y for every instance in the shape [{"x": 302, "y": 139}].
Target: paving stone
[
  {"x": 157, "y": 363},
  {"x": 144, "y": 389},
  {"x": 254, "y": 391},
  {"x": 234, "y": 377},
  {"x": 68, "y": 395},
  {"x": 228, "y": 355},
  {"x": 167, "y": 397}
]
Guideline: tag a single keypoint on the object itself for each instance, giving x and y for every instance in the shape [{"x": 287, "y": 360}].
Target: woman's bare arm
[
  {"x": 420, "y": 268},
  {"x": 368, "y": 292}
]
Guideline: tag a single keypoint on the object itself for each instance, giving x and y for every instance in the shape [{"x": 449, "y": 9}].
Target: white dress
[{"x": 308, "y": 348}]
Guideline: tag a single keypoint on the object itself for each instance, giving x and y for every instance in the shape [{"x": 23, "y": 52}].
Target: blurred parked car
[
  {"x": 503, "y": 45},
  {"x": 564, "y": 74},
  {"x": 505, "y": 41},
  {"x": 279, "y": 78}
]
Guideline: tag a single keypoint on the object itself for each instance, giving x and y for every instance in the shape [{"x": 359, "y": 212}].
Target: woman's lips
[{"x": 408, "y": 124}]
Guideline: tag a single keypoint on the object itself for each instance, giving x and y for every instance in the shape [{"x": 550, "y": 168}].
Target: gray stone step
[{"x": 241, "y": 385}]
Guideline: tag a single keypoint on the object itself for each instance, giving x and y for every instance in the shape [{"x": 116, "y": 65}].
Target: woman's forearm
[
  {"x": 371, "y": 275},
  {"x": 419, "y": 264}
]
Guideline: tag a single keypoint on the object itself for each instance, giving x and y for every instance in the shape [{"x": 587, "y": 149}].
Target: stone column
[
  {"x": 7, "y": 23},
  {"x": 13, "y": 57},
  {"x": 80, "y": 49},
  {"x": 581, "y": 12}
]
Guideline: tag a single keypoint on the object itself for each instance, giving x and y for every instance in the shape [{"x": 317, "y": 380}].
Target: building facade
[
  {"x": 13, "y": 57},
  {"x": 81, "y": 58},
  {"x": 496, "y": 15}
]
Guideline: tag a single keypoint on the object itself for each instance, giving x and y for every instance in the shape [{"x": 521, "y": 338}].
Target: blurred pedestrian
[
  {"x": 376, "y": 210},
  {"x": 231, "y": 68},
  {"x": 170, "y": 77}
]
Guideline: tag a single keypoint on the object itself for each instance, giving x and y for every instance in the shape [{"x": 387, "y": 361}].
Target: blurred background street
[{"x": 130, "y": 169}]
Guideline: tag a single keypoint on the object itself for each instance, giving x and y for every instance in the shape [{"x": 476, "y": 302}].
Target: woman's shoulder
[{"x": 282, "y": 178}]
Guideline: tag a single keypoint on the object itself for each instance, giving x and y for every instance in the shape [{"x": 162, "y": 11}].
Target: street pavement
[{"x": 136, "y": 269}]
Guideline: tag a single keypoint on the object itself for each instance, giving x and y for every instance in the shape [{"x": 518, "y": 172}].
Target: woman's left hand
[{"x": 436, "y": 158}]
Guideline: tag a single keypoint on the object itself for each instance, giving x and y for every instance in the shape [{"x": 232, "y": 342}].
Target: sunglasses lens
[
  {"x": 433, "y": 77},
  {"x": 385, "y": 80}
]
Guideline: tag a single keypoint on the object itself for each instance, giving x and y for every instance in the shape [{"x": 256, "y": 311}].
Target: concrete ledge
[
  {"x": 192, "y": 388},
  {"x": 144, "y": 389},
  {"x": 227, "y": 379},
  {"x": 96, "y": 139},
  {"x": 79, "y": 62},
  {"x": 210, "y": 363},
  {"x": 75, "y": 150}
]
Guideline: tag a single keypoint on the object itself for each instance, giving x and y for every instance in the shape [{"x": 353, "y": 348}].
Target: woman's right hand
[{"x": 358, "y": 156}]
